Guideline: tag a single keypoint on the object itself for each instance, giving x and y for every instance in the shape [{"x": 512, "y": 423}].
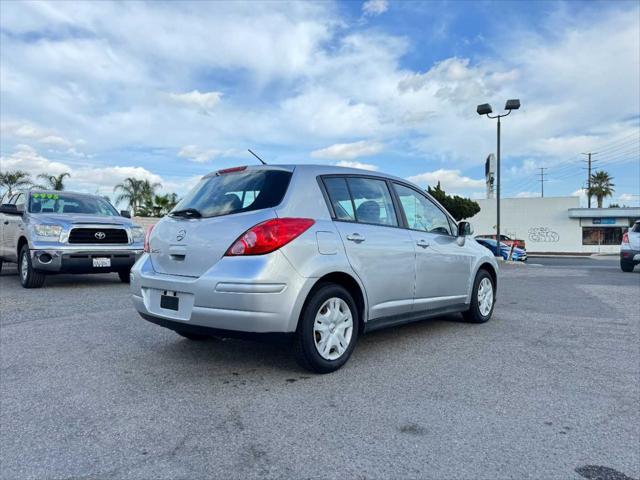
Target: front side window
[
  {"x": 421, "y": 213},
  {"x": 20, "y": 201},
  {"x": 235, "y": 192},
  {"x": 62, "y": 203}
]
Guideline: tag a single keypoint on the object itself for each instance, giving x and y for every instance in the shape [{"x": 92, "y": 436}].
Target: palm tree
[
  {"x": 54, "y": 182},
  {"x": 14, "y": 179},
  {"x": 601, "y": 186},
  {"x": 131, "y": 192},
  {"x": 163, "y": 204}
]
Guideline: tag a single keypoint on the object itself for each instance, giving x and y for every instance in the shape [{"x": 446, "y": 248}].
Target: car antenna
[{"x": 261, "y": 160}]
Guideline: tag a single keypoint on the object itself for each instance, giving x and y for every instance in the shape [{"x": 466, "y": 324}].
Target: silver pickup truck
[{"x": 48, "y": 232}]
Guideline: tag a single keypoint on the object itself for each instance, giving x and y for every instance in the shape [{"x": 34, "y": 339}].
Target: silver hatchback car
[{"x": 318, "y": 253}]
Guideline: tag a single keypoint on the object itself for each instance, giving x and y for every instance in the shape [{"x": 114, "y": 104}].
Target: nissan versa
[{"x": 320, "y": 253}]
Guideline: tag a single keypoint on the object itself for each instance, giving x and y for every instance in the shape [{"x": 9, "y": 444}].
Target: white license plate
[{"x": 101, "y": 262}]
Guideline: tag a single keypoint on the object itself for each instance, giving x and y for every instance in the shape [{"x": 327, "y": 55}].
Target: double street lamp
[{"x": 485, "y": 109}]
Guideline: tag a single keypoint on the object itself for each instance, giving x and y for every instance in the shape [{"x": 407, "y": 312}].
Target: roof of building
[{"x": 619, "y": 212}]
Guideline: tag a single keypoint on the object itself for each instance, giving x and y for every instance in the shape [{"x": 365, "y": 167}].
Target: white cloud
[
  {"x": 449, "y": 180},
  {"x": 197, "y": 154},
  {"x": 375, "y": 7},
  {"x": 27, "y": 131},
  {"x": 204, "y": 102},
  {"x": 362, "y": 166},
  {"x": 349, "y": 151},
  {"x": 629, "y": 199}
]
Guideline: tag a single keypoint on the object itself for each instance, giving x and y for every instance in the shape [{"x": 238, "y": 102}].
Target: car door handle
[
  {"x": 422, "y": 243},
  {"x": 6, "y": 222},
  {"x": 355, "y": 237}
]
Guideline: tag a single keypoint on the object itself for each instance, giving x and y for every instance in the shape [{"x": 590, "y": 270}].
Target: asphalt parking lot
[{"x": 549, "y": 388}]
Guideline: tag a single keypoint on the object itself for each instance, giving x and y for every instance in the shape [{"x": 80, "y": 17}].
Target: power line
[
  {"x": 542, "y": 180},
  {"x": 589, "y": 161}
]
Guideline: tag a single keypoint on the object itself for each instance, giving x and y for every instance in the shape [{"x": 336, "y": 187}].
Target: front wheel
[
  {"x": 125, "y": 276},
  {"x": 626, "y": 266},
  {"x": 29, "y": 278},
  {"x": 482, "y": 300},
  {"x": 328, "y": 330}
]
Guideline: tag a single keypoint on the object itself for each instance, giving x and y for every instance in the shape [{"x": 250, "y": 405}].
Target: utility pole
[
  {"x": 589, "y": 162},
  {"x": 542, "y": 180}
]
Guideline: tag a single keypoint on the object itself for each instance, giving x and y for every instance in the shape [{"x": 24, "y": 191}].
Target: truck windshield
[
  {"x": 43, "y": 202},
  {"x": 234, "y": 192}
]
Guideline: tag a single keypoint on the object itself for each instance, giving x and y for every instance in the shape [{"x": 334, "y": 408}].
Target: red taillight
[
  {"x": 625, "y": 238},
  {"x": 231, "y": 170},
  {"x": 146, "y": 238},
  {"x": 268, "y": 236}
]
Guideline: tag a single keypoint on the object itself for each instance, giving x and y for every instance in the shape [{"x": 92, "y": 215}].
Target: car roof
[{"x": 317, "y": 169}]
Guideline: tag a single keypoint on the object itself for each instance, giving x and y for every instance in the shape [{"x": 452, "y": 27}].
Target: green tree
[
  {"x": 457, "y": 206},
  {"x": 601, "y": 186},
  {"x": 54, "y": 182},
  {"x": 163, "y": 204},
  {"x": 130, "y": 191},
  {"x": 14, "y": 179}
]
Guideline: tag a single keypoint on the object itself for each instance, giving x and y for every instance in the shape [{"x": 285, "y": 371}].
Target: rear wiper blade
[{"x": 187, "y": 212}]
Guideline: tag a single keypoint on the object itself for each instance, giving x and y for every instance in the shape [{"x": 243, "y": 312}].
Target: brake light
[
  {"x": 269, "y": 236},
  {"x": 147, "y": 235},
  {"x": 625, "y": 237},
  {"x": 231, "y": 170}
]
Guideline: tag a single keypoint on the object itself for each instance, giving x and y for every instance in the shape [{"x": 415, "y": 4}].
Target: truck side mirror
[
  {"x": 9, "y": 209},
  {"x": 125, "y": 213}
]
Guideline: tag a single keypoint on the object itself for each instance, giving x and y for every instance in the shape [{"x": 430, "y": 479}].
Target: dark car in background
[
  {"x": 518, "y": 254},
  {"x": 506, "y": 239}
]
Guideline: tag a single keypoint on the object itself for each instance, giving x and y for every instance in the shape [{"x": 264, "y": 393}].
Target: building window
[{"x": 601, "y": 235}]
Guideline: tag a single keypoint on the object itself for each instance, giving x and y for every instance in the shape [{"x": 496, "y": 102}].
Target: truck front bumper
[{"x": 79, "y": 259}]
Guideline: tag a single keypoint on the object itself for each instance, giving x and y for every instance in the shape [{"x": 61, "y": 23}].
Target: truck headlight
[
  {"x": 44, "y": 230},
  {"x": 137, "y": 233}
]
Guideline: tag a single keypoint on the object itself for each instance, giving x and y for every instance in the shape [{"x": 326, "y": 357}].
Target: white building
[{"x": 556, "y": 224}]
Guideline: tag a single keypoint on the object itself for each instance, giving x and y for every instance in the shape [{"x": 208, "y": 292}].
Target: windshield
[
  {"x": 235, "y": 192},
  {"x": 42, "y": 202}
]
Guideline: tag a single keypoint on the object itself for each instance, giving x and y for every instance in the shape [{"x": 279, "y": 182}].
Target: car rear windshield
[
  {"x": 235, "y": 192},
  {"x": 44, "y": 202}
]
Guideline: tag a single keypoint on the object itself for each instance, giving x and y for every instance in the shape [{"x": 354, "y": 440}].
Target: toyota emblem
[
  {"x": 181, "y": 234},
  {"x": 100, "y": 235}
]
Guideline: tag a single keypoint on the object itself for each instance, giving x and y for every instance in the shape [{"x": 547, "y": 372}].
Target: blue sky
[{"x": 170, "y": 91}]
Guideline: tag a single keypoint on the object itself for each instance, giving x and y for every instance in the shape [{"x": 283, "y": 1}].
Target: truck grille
[{"x": 98, "y": 235}]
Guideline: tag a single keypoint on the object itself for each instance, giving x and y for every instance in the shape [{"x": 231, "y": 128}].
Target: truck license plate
[{"x": 101, "y": 262}]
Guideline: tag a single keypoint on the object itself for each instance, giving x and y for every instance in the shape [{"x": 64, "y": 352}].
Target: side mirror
[
  {"x": 125, "y": 213},
  {"x": 9, "y": 209},
  {"x": 464, "y": 229}
]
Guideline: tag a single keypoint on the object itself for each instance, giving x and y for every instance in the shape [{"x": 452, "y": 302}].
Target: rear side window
[
  {"x": 364, "y": 200},
  {"x": 236, "y": 192}
]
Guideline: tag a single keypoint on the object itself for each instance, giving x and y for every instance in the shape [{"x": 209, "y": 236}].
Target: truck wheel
[
  {"x": 327, "y": 330},
  {"x": 483, "y": 299},
  {"x": 626, "y": 266},
  {"x": 29, "y": 278},
  {"x": 124, "y": 276}
]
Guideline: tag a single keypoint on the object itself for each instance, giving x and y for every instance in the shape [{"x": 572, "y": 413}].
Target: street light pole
[{"x": 485, "y": 109}]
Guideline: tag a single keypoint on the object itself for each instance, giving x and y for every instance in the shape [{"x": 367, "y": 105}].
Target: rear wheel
[
  {"x": 626, "y": 265},
  {"x": 327, "y": 330},
  {"x": 29, "y": 278},
  {"x": 124, "y": 276},
  {"x": 482, "y": 299}
]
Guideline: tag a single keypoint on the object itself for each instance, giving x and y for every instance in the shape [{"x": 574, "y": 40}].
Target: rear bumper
[
  {"x": 630, "y": 255},
  {"x": 260, "y": 294}
]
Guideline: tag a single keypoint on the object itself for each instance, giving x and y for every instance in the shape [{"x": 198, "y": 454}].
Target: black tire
[
  {"x": 0, "y": 265},
  {"x": 305, "y": 350},
  {"x": 473, "y": 315},
  {"x": 196, "y": 337},
  {"x": 29, "y": 278},
  {"x": 626, "y": 266},
  {"x": 124, "y": 276}
]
